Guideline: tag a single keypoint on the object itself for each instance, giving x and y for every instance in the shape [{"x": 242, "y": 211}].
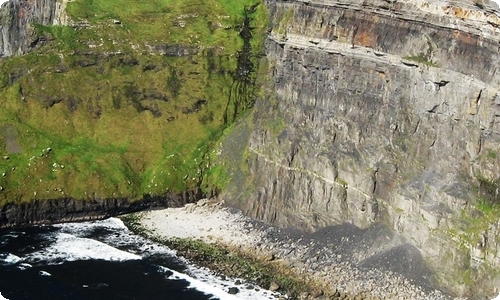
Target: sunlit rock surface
[{"x": 383, "y": 112}]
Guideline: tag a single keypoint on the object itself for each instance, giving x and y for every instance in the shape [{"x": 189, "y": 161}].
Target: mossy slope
[{"x": 125, "y": 102}]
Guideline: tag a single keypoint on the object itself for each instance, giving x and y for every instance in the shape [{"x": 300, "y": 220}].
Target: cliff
[
  {"x": 378, "y": 116},
  {"x": 109, "y": 107},
  {"x": 17, "y": 19},
  {"x": 381, "y": 112}
]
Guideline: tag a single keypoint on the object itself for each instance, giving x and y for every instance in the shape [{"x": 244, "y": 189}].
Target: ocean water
[{"x": 104, "y": 260}]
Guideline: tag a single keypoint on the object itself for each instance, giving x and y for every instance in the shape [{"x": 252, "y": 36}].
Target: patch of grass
[
  {"x": 423, "y": 59},
  {"x": 485, "y": 206},
  {"x": 234, "y": 263},
  {"x": 491, "y": 154},
  {"x": 282, "y": 24}
]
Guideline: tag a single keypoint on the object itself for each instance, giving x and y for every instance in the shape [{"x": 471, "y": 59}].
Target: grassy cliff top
[{"x": 126, "y": 100}]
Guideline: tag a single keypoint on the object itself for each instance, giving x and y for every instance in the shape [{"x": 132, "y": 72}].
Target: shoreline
[{"x": 317, "y": 271}]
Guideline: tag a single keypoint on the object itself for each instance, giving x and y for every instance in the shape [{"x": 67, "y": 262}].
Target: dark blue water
[{"x": 101, "y": 260}]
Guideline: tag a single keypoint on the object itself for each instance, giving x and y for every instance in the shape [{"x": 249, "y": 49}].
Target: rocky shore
[{"x": 315, "y": 258}]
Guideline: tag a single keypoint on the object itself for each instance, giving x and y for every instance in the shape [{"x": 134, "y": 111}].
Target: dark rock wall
[
  {"x": 71, "y": 210},
  {"x": 383, "y": 112}
]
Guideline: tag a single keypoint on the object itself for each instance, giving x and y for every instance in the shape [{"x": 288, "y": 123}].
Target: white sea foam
[
  {"x": 71, "y": 243},
  {"x": 10, "y": 259},
  {"x": 85, "y": 227},
  {"x": 24, "y": 266},
  {"x": 121, "y": 236},
  {"x": 201, "y": 286},
  {"x": 246, "y": 291},
  {"x": 201, "y": 280},
  {"x": 68, "y": 247}
]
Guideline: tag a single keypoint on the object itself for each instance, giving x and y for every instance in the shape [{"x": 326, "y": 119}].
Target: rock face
[
  {"x": 17, "y": 19},
  {"x": 384, "y": 112},
  {"x": 72, "y": 210}
]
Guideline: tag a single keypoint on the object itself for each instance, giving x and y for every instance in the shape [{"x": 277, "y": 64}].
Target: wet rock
[{"x": 233, "y": 290}]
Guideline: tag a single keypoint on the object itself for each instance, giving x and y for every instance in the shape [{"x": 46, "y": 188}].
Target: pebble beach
[{"x": 336, "y": 278}]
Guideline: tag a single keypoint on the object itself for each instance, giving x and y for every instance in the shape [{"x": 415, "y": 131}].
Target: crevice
[
  {"x": 433, "y": 109},
  {"x": 478, "y": 98},
  {"x": 416, "y": 126},
  {"x": 440, "y": 84},
  {"x": 433, "y": 142},
  {"x": 374, "y": 177}
]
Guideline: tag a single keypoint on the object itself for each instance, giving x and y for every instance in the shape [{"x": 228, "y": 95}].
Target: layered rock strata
[{"x": 383, "y": 112}]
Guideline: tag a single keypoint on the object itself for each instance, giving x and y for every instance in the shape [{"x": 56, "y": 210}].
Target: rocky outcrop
[
  {"x": 18, "y": 19},
  {"x": 71, "y": 210},
  {"x": 384, "y": 112}
]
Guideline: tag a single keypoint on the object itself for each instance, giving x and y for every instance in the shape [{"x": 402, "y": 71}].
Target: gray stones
[{"x": 233, "y": 290}]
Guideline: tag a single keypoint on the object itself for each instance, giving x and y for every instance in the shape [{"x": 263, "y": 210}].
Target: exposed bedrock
[
  {"x": 72, "y": 210},
  {"x": 384, "y": 112},
  {"x": 18, "y": 19}
]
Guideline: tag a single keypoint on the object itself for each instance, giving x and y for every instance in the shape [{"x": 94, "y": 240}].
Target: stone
[
  {"x": 273, "y": 286},
  {"x": 316, "y": 293},
  {"x": 233, "y": 290}
]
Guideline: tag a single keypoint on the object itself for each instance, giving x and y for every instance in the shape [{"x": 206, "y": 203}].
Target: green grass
[
  {"x": 123, "y": 120},
  {"x": 492, "y": 154},
  {"x": 283, "y": 22},
  {"x": 423, "y": 59}
]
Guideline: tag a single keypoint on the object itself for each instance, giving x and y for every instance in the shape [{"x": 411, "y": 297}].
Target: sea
[{"x": 105, "y": 260}]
